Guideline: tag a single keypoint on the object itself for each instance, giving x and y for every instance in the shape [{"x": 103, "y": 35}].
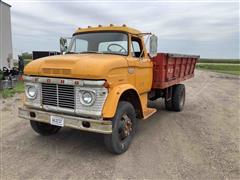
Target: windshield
[{"x": 100, "y": 42}]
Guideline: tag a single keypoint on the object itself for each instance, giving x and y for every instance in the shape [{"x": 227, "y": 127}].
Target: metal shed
[{"x": 6, "y": 52}]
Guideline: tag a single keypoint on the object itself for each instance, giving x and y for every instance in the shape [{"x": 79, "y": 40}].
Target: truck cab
[{"x": 101, "y": 83}]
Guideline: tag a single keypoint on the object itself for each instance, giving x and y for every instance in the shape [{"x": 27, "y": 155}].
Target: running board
[{"x": 148, "y": 112}]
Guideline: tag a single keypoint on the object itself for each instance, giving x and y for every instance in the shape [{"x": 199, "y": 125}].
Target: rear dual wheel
[{"x": 176, "y": 103}]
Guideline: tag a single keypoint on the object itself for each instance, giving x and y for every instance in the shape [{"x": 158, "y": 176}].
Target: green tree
[{"x": 26, "y": 55}]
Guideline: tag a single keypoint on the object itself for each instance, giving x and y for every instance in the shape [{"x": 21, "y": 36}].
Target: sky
[{"x": 206, "y": 28}]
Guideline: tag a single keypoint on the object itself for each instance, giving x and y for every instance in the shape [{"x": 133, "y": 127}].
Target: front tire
[
  {"x": 124, "y": 128},
  {"x": 44, "y": 129}
]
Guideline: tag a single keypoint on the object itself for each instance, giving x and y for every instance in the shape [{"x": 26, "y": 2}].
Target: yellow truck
[{"x": 102, "y": 82}]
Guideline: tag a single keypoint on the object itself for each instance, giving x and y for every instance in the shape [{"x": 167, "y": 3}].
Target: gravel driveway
[{"x": 202, "y": 142}]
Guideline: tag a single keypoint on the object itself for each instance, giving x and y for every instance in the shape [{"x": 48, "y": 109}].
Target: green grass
[
  {"x": 19, "y": 88},
  {"x": 26, "y": 61},
  {"x": 227, "y": 68},
  {"x": 232, "y": 61}
]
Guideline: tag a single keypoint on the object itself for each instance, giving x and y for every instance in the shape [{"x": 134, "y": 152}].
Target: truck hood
[{"x": 83, "y": 66}]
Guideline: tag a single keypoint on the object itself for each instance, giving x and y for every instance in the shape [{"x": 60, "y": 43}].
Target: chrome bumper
[{"x": 98, "y": 126}]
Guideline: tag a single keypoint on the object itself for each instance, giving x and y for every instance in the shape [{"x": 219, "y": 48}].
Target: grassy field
[
  {"x": 228, "y": 68},
  {"x": 227, "y": 61},
  {"x": 11, "y": 92}
]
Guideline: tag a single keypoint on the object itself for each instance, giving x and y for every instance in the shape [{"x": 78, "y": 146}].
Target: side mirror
[
  {"x": 63, "y": 45},
  {"x": 153, "y": 46}
]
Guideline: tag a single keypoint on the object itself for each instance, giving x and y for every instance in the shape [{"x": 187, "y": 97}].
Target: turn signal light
[{"x": 106, "y": 84}]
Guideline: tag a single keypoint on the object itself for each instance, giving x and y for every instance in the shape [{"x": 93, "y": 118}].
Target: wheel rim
[
  {"x": 125, "y": 127},
  {"x": 182, "y": 99}
]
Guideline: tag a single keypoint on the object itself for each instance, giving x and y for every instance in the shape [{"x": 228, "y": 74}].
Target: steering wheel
[{"x": 121, "y": 48}]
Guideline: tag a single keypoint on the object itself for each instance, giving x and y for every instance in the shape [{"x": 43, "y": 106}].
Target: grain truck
[{"x": 102, "y": 83}]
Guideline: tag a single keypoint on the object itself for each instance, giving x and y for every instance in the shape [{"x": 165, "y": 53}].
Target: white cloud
[{"x": 200, "y": 23}]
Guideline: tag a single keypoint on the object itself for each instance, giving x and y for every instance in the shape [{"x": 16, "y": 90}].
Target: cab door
[{"x": 140, "y": 65}]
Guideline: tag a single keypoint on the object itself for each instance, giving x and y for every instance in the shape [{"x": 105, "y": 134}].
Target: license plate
[{"x": 57, "y": 121}]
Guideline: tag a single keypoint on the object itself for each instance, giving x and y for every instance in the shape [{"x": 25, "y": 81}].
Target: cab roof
[{"x": 122, "y": 28}]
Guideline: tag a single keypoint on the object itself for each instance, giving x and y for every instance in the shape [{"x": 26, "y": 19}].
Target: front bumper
[{"x": 98, "y": 126}]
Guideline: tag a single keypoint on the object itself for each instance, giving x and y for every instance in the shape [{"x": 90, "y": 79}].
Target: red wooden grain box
[{"x": 170, "y": 69}]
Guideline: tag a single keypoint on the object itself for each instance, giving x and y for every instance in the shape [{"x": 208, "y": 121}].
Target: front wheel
[
  {"x": 44, "y": 129},
  {"x": 124, "y": 128}
]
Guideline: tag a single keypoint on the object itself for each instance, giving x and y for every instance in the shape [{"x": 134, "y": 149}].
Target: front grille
[{"x": 58, "y": 95}]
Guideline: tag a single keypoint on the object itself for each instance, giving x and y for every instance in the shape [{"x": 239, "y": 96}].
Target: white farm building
[{"x": 6, "y": 54}]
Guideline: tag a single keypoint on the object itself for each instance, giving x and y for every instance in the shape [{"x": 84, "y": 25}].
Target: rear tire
[
  {"x": 168, "y": 105},
  {"x": 176, "y": 103},
  {"x": 44, "y": 129},
  {"x": 123, "y": 130},
  {"x": 178, "y": 98}
]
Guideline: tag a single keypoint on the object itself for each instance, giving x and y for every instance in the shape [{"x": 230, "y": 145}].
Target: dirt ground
[{"x": 202, "y": 142}]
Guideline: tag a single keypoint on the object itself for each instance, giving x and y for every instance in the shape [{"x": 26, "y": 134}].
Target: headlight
[
  {"x": 87, "y": 98},
  {"x": 31, "y": 92}
]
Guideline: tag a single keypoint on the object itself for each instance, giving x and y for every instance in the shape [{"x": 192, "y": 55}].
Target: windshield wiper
[
  {"x": 69, "y": 52},
  {"x": 91, "y": 52},
  {"x": 116, "y": 53}
]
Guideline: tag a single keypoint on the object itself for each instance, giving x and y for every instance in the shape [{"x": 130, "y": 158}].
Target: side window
[
  {"x": 136, "y": 47},
  {"x": 81, "y": 45}
]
